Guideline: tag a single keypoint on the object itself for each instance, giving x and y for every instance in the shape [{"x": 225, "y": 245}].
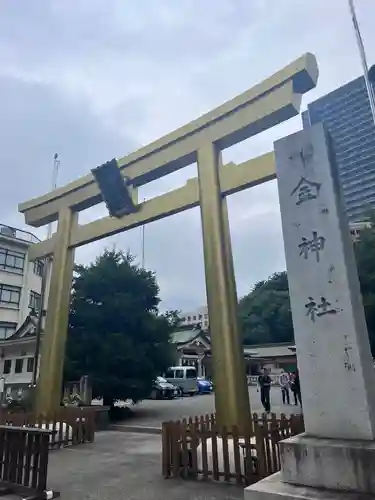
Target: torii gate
[{"x": 272, "y": 101}]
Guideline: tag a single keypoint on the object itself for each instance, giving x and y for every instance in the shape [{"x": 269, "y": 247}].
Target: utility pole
[
  {"x": 45, "y": 276},
  {"x": 361, "y": 49}
]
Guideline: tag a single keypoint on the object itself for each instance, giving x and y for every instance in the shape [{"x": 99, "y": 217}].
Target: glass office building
[{"x": 346, "y": 113}]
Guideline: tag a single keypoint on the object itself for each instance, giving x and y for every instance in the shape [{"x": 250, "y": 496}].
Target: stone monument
[{"x": 336, "y": 454}]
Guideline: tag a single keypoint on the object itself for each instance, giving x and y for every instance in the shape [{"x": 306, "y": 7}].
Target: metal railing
[{"x": 19, "y": 234}]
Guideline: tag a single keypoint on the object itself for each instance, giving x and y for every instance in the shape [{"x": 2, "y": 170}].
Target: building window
[
  {"x": 7, "y": 329},
  {"x": 19, "y": 365},
  {"x": 10, "y": 294},
  {"x": 34, "y": 301},
  {"x": 7, "y": 366},
  {"x": 30, "y": 365},
  {"x": 12, "y": 260},
  {"x": 38, "y": 267}
]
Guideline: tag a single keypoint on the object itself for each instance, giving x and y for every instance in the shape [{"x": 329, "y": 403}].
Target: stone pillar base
[
  {"x": 333, "y": 464},
  {"x": 272, "y": 488}
]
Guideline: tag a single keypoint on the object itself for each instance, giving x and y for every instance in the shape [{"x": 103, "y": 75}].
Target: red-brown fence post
[
  {"x": 186, "y": 450},
  {"x": 166, "y": 458},
  {"x": 237, "y": 456}
]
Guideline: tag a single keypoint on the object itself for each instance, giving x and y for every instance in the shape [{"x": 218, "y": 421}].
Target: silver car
[{"x": 162, "y": 389}]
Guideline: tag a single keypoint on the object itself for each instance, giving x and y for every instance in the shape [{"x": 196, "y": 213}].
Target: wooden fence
[
  {"x": 70, "y": 426},
  {"x": 199, "y": 448},
  {"x": 24, "y": 462}
]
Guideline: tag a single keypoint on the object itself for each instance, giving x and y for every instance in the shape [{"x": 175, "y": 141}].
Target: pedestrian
[
  {"x": 292, "y": 376},
  {"x": 296, "y": 388},
  {"x": 264, "y": 384},
  {"x": 284, "y": 381}
]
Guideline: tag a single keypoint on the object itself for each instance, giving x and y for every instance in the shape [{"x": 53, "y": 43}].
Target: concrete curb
[{"x": 141, "y": 429}]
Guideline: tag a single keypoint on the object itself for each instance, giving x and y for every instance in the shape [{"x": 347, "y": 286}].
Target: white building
[
  {"x": 193, "y": 318},
  {"x": 20, "y": 295},
  {"x": 20, "y": 280},
  {"x": 17, "y": 357}
]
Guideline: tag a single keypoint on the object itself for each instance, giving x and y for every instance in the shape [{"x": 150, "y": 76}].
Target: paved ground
[
  {"x": 152, "y": 413},
  {"x": 125, "y": 466}
]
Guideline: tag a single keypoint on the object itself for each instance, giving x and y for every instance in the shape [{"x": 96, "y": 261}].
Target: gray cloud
[
  {"x": 93, "y": 79},
  {"x": 37, "y": 121}
]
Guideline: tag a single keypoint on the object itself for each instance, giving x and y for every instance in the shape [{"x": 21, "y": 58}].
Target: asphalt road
[{"x": 151, "y": 413}]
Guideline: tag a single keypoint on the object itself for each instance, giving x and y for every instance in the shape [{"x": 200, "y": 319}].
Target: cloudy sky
[{"x": 94, "y": 79}]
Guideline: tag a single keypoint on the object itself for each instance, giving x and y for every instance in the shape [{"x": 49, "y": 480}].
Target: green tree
[
  {"x": 365, "y": 257},
  {"x": 264, "y": 314},
  {"x": 116, "y": 335},
  {"x": 173, "y": 317}
]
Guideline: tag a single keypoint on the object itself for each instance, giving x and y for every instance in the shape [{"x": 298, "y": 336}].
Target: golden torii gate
[{"x": 272, "y": 101}]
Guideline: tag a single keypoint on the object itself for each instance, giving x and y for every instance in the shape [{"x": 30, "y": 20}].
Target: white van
[{"x": 183, "y": 377}]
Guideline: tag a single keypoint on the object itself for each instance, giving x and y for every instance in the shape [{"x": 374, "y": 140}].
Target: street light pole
[
  {"x": 361, "y": 49},
  {"x": 55, "y": 173}
]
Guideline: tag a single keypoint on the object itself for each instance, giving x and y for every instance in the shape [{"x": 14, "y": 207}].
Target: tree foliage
[
  {"x": 365, "y": 256},
  {"x": 173, "y": 317},
  {"x": 265, "y": 314},
  {"x": 116, "y": 335}
]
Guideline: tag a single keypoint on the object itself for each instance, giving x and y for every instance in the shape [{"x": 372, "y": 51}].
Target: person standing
[
  {"x": 284, "y": 381},
  {"x": 296, "y": 388},
  {"x": 264, "y": 384},
  {"x": 291, "y": 378}
]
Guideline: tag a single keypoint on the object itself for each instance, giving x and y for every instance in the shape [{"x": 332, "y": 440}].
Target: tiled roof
[
  {"x": 186, "y": 335},
  {"x": 272, "y": 351},
  {"x": 26, "y": 331},
  {"x": 183, "y": 336}
]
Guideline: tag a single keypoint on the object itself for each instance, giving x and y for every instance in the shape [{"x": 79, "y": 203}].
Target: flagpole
[{"x": 361, "y": 49}]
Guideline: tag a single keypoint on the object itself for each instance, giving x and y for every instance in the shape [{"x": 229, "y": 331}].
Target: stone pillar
[
  {"x": 199, "y": 366},
  {"x": 337, "y": 451},
  {"x": 85, "y": 389}
]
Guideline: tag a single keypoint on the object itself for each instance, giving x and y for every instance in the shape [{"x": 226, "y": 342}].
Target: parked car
[
  {"x": 162, "y": 389},
  {"x": 183, "y": 377},
  {"x": 204, "y": 386}
]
